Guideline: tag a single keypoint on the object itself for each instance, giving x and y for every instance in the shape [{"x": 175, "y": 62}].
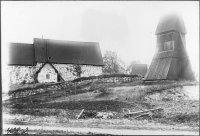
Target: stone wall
[
  {"x": 91, "y": 71},
  {"x": 66, "y": 71},
  {"x": 25, "y": 74},
  {"x": 69, "y": 85},
  {"x": 22, "y": 74},
  {"x": 19, "y": 74}
]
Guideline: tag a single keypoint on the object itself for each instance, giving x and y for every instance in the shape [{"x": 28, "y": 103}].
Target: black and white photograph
[{"x": 100, "y": 67}]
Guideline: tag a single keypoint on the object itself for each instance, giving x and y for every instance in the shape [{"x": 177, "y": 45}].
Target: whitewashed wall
[
  {"x": 19, "y": 74},
  {"x": 47, "y": 69}
]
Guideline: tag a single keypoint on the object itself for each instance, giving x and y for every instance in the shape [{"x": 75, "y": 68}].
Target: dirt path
[{"x": 103, "y": 131}]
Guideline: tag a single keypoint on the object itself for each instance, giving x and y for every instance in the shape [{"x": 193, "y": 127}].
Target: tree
[{"x": 113, "y": 64}]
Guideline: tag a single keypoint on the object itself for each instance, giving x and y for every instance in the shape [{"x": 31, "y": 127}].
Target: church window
[{"x": 47, "y": 76}]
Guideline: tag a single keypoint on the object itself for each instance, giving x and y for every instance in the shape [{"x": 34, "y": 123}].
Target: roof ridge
[
  {"x": 171, "y": 22},
  {"x": 66, "y": 40},
  {"x": 18, "y": 43}
]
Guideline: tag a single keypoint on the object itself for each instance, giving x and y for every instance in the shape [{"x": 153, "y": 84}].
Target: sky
[{"x": 126, "y": 27}]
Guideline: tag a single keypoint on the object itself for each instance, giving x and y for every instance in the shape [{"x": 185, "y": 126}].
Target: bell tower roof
[{"x": 171, "y": 22}]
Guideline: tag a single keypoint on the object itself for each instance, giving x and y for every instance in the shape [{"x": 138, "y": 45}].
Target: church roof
[
  {"x": 55, "y": 51},
  {"x": 171, "y": 22},
  {"x": 21, "y": 54},
  {"x": 59, "y": 51}
]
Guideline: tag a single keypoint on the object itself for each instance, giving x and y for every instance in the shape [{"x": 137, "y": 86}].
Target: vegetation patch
[
  {"x": 111, "y": 105},
  {"x": 105, "y": 76},
  {"x": 61, "y": 132},
  {"x": 104, "y": 91},
  {"x": 112, "y": 97}
]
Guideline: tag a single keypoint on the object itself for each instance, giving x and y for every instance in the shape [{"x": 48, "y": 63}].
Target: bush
[
  {"x": 104, "y": 91},
  {"x": 23, "y": 82}
]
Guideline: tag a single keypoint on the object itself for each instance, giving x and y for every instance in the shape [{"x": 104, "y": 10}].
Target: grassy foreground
[{"x": 64, "y": 105}]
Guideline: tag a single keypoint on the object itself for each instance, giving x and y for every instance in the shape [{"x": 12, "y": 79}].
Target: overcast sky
[{"x": 126, "y": 27}]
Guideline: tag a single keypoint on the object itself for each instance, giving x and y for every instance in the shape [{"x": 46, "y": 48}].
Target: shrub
[
  {"x": 23, "y": 82},
  {"x": 104, "y": 91}
]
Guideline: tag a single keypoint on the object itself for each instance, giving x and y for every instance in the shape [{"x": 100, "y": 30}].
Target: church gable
[{"x": 47, "y": 74}]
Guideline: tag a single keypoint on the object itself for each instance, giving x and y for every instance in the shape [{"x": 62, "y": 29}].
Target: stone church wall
[
  {"x": 66, "y": 71},
  {"x": 21, "y": 74},
  {"x": 89, "y": 70},
  {"x": 25, "y": 74}
]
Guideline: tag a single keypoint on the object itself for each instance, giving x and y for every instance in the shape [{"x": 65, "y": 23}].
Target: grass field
[{"x": 64, "y": 105}]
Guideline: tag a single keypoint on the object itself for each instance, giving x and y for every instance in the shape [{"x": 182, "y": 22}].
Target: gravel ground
[
  {"x": 192, "y": 92},
  {"x": 102, "y": 131}
]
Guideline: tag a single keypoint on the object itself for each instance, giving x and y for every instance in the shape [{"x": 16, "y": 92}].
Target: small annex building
[
  {"x": 139, "y": 69},
  {"x": 171, "y": 60},
  {"x": 48, "y": 60}
]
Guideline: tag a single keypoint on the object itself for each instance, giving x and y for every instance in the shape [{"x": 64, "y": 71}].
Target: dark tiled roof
[
  {"x": 55, "y": 51},
  {"x": 21, "y": 54},
  {"x": 40, "y": 50},
  {"x": 58, "y": 51},
  {"x": 171, "y": 22}
]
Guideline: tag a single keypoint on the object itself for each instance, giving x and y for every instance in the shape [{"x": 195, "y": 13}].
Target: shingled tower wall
[{"x": 170, "y": 60}]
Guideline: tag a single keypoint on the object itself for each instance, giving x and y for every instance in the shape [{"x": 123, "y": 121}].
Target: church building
[{"x": 48, "y": 60}]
